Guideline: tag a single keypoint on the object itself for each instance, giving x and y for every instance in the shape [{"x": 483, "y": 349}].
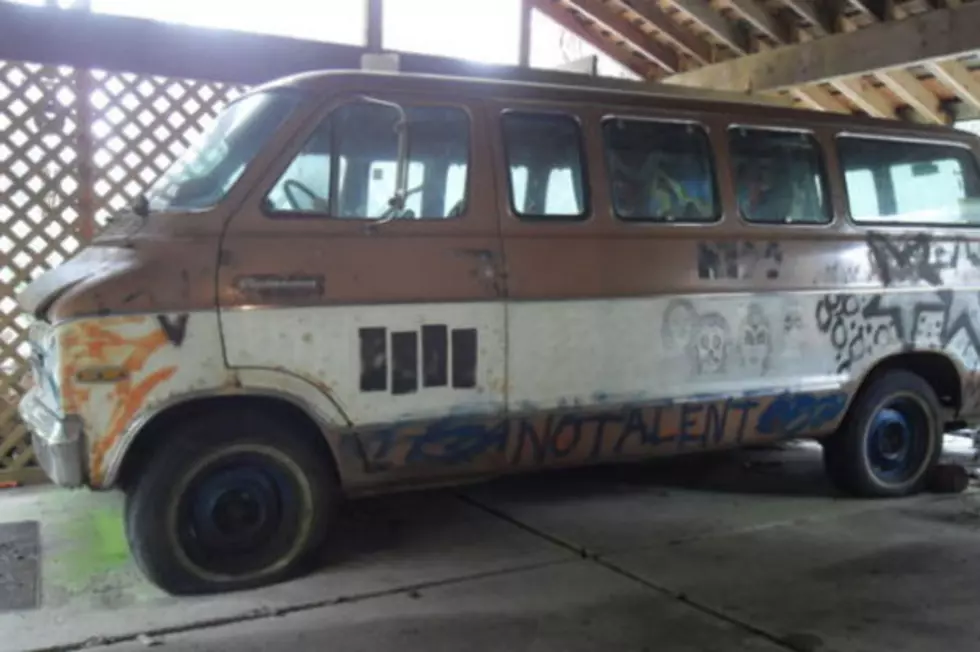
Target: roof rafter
[
  {"x": 564, "y": 18},
  {"x": 701, "y": 12},
  {"x": 636, "y": 38},
  {"x": 690, "y": 43}
]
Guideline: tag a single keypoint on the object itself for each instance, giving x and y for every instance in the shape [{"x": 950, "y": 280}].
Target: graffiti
[
  {"x": 175, "y": 330},
  {"x": 903, "y": 309},
  {"x": 904, "y": 258},
  {"x": 678, "y": 327},
  {"x": 859, "y": 326},
  {"x": 853, "y": 338},
  {"x": 919, "y": 258},
  {"x": 792, "y": 414},
  {"x": 554, "y": 438},
  {"x": 739, "y": 260},
  {"x": 703, "y": 339},
  {"x": 755, "y": 340},
  {"x": 710, "y": 344},
  {"x": 441, "y": 347}
]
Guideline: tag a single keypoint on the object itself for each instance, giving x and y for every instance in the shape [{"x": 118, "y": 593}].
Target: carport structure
[{"x": 93, "y": 107}]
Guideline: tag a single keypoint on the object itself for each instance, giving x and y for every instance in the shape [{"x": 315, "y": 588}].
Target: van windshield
[{"x": 207, "y": 170}]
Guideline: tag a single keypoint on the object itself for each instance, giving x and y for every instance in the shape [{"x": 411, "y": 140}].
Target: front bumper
[{"x": 58, "y": 442}]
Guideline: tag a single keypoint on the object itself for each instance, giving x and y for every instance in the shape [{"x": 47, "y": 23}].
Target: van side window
[
  {"x": 779, "y": 176},
  {"x": 660, "y": 171},
  {"x": 907, "y": 182},
  {"x": 347, "y": 168},
  {"x": 546, "y": 166}
]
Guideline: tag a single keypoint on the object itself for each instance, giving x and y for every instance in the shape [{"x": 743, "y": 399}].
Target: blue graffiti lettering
[
  {"x": 793, "y": 414},
  {"x": 450, "y": 442}
]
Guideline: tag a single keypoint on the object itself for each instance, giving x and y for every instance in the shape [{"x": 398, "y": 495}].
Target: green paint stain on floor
[{"x": 89, "y": 546}]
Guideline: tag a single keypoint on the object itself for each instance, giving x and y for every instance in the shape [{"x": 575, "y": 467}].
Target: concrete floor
[{"x": 745, "y": 552}]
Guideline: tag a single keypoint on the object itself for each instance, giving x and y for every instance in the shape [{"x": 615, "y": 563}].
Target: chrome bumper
[{"x": 57, "y": 441}]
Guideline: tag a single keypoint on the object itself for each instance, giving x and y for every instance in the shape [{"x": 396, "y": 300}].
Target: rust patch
[{"x": 94, "y": 344}]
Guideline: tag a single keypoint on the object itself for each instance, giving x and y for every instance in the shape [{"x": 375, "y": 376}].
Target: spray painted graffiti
[
  {"x": 590, "y": 436},
  {"x": 919, "y": 258},
  {"x": 175, "y": 328},
  {"x": 862, "y": 326},
  {"x": 739, "y": 260},
  {"x": 852, "y": 335}
]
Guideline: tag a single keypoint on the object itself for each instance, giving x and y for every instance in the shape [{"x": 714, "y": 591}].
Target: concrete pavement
[{"x": 745, "y": 552}]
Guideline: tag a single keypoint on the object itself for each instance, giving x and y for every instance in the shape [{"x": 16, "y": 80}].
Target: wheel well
[
  {"x": 154, "y": 433},
  {"x": 935, "y": 368}
]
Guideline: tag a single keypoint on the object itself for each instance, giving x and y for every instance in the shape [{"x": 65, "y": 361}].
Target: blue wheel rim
[
  {"x": 897, "y": 441},
  {"x": 236, "y": 514}
]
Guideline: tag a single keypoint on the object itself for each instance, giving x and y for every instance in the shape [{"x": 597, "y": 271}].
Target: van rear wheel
[
  {"x": 233, "y": 500},
  {"x": 889, "y": 441}
]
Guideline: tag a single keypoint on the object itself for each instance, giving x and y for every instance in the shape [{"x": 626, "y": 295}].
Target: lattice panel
[
  {"x": 38, "y": 216},
  {"x": 140, "y": 125},
  {"x": 58, "y": 180}
]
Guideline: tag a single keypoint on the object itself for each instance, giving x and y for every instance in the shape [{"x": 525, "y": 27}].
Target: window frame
[
  {"x": 717, "y": 199},
  {"x": 558, "y": 218},
  {"x": 296, "y": 145},
  {"x": 822, "y": 161},
  {"x": 913, "y": 140}
]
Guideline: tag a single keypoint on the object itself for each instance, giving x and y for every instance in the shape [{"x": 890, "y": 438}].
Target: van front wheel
[
  {"x": 890, "y": 440},
  {"x": 231, "y": 501}
]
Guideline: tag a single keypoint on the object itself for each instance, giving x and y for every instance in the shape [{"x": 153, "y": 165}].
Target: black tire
[
  {"x": 890, "y": 440},
  {"x": 233, "y": 500}
]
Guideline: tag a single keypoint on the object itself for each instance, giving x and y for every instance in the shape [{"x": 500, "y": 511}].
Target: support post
[
  {"x": 374, "y": 37},
  {"x": 524, "y": 56}
]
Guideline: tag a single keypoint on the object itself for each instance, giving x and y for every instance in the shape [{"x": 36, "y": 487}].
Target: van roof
[{"x": 611, "y": 90}]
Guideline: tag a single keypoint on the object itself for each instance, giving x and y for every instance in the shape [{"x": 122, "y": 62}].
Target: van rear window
[
  {"x": 903, "y": 182},
  {"x": 660, "y": 171},
  {"x": 779, "y": 176}
]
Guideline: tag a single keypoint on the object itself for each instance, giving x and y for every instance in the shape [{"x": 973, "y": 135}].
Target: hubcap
[
  {"x": 898, "y": 441},
  {"x": 235, "y": 516}
]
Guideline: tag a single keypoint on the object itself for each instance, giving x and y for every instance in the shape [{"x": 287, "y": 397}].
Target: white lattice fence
[{"x": 65, "y": 166}]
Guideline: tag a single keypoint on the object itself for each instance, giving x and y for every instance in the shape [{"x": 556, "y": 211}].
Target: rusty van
[{"x": 362, "y": 282}]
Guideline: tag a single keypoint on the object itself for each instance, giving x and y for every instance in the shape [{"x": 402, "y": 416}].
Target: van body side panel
[
  {"x": 116, "y": 371},
  {"x": 392, "y": 322}
]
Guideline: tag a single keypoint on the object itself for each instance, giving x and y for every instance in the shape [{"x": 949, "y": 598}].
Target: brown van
[{"x": 359, "y": 282}]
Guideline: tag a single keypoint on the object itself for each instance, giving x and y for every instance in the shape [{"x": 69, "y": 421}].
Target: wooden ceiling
[{"x": 886, "y": 58}]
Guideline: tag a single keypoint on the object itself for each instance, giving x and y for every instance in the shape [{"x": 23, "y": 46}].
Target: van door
[{"x": 386, "y": 321}]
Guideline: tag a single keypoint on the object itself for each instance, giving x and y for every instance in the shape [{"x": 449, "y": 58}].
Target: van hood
[{"x": 93, "y": 261}]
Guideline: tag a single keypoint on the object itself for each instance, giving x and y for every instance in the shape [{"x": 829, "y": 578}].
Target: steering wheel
[{"x": 319, "y": 205}]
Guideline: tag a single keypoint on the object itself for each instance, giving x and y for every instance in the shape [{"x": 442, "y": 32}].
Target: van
[{"x": 358, "y": 283}]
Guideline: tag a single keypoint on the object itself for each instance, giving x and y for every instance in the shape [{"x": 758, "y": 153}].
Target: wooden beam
[
  {"x": 657, "y": 18},
  {"x": 565, "y": 19},
  {"x": 910, "y": 90},
  {"x": 809, "y": 11},
  {"x": 933, "y": 35},
  {"x": 867, "y": 99},
  {"x": 761, "y": 19},
  {"x": 957, "y": 78},
  {"x": 816, "y": 97},
  {"x": 606, "y": 18},
  {"x": 701, "y": 12}
]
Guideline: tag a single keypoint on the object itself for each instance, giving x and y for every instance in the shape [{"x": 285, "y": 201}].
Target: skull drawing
[
  {"x": 755, "y": 340},
  {"x": 678, "y": 325},
  {"x": 710, "y": 344}
]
